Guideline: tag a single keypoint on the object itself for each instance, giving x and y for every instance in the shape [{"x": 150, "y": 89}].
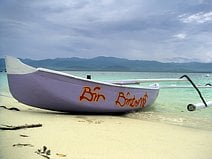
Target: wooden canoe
[{"x": 58, "y": 91}]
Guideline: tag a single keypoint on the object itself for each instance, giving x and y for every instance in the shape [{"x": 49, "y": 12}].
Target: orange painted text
[
  {"x": 92, "y": 95},
  {"x": 126, "y": 99}
]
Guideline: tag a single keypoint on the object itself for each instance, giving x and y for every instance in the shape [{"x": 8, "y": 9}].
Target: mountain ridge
[{"x": 102, "y": 63}]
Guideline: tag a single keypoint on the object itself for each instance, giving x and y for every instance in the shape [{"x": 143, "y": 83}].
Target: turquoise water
[{"x": 170, "y": 106}]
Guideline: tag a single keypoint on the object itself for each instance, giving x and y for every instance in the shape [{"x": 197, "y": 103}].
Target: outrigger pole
[
  {"x": 204, "y": 104},
  {"x": 138, "y": 81}
]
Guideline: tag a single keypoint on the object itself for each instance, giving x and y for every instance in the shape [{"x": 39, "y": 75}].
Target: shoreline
[{"x": 96, "y": 136}]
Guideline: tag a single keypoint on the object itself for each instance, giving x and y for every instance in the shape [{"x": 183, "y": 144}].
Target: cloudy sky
[{"x": 134, "y": 29}]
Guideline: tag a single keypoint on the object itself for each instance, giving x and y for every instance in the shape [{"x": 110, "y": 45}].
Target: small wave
[
  {"x": 173, "y": 119},
  {"x": 3, "y": 95}
]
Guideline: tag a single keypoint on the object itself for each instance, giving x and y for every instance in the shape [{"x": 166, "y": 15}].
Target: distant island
[{"x": 102, "y": 63}]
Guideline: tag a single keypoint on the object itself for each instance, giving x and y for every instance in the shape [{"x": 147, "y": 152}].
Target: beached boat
[{"x": 58, "y": 91}]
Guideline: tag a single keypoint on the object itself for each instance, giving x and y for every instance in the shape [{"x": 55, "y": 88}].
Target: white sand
[{"x": 98, "y": 137}]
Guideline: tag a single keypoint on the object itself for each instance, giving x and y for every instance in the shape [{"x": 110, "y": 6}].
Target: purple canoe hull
[{"x": 58, "y": 92}]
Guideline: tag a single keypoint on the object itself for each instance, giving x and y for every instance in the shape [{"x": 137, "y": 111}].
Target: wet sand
[{"x": 96, "y": 137}]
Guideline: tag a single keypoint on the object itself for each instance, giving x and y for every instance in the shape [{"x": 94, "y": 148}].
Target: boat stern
[{"x": 15, "y": 66}]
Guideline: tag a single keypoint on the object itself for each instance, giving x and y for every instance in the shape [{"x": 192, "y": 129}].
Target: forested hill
[{"x": 114, "y": 64}]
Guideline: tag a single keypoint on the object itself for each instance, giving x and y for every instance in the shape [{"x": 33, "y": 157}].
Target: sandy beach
[{"x": 96, "y": 136}]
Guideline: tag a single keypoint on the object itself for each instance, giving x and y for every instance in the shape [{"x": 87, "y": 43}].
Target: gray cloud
[{"x": 137, "y": 29}]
